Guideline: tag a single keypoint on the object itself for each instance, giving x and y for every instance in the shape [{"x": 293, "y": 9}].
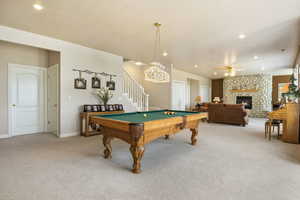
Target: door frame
[
  {"x": 209, "y": 91},
  {"x": 9, "y": 83},
  {"x": 185, "y": 89},
  {"x": 58, "y": 99}
]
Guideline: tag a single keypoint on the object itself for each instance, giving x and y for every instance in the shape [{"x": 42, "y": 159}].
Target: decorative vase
[{"x": 105, "y": 103}]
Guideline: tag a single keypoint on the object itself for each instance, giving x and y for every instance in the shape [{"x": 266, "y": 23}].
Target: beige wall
[
  {"x": 180, "y": 75},
  {"x": 136, "y": 72},
  {"x": 159, "y": 93},
  {"x": 16, "y": 54},
  {"x": 193, "y": 84},
  {"x": 73, "y": 56},
  {"x": 194, "y": 91},
  {"x": 53, "y": 58}
]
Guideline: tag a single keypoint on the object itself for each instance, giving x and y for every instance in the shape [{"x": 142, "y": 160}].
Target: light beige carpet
[{"x": 229, "y": 162}]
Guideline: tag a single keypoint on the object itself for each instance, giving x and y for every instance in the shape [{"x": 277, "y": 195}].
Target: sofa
[
  {"x": 227, "y": 113},
  {"x": 203, "y": 107}
]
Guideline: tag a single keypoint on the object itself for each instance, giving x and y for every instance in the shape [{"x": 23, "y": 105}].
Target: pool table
[{"x": 140, "y": 128}]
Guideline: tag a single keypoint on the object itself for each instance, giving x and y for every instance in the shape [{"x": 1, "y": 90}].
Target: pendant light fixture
[{"x": 156, "y": 72}]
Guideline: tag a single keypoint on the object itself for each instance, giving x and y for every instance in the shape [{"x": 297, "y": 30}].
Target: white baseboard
[
  {"x": 64, "y": 135},
  {"x": 4, "y": 136}
]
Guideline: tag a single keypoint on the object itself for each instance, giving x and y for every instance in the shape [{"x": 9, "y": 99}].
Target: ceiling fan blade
[{"x": 223, "y": 67}]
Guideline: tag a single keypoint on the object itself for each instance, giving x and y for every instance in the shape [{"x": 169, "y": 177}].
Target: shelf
[{"x": 245, "y": 90}]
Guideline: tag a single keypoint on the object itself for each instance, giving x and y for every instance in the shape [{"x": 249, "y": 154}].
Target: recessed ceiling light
[
  {"x": 255, "y": 57},
  {"x": 138, "y": 63},
  {"x": 38, "y": 6},
  {"x": 242, "y": 36},
  {"x": 196, "y": 66},
  {"x": 165, "y": 53}
]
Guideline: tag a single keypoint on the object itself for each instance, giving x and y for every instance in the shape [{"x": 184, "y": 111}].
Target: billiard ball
[{"x": 145, "y": 115}]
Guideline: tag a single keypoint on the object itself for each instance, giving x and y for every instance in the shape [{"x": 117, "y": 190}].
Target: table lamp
[
  {"x": 217, "y": 99},
  {"x": 198, "y": 100}
]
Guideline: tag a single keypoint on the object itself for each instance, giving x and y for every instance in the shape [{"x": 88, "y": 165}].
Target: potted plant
[
  {"x": 104, "y": 95},
  {"x": 293, "y": 92}
]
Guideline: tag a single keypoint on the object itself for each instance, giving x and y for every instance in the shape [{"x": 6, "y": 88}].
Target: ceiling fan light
[
  {"x": 242, "y": 36},
  {"x": 138, "y": 63}
]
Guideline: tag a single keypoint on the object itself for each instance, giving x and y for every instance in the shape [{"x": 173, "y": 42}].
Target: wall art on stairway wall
[
  {"x": 96, "y": 82},
  {"x": 80, "y": 83},
  {"x": 111, "y": 85}
]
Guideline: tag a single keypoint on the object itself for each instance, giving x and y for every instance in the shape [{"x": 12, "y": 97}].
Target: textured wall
[{"x": 261, "y": 100}]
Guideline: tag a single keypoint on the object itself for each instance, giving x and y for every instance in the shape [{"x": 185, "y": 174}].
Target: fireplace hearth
[{"x": 246, "y": 100}]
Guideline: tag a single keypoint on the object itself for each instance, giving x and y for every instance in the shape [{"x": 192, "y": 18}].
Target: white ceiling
[{"x": 193, "y": 32}]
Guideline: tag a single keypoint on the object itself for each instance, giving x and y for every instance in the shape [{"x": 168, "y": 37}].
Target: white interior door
[
  {"x": 178, "y": 95},
  {"x": 52, "y": 84},
  {"x": 204, "y": 93},
  {"x": 26, "y": 98}
]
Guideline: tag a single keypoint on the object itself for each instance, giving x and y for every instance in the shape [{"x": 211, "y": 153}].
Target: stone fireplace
[
  {"x": 246, "y": 100},
  {"x": 261, "y": 97}
]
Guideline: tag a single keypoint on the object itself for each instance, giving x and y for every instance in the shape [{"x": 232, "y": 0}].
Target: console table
[{"x": 85, "y": 125}]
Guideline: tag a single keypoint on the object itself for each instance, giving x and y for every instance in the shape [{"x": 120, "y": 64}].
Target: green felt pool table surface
[{"x": 138, "y": 117}]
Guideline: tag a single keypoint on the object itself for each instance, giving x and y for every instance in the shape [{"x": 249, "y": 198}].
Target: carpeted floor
[{"x": 229, "y": 162}]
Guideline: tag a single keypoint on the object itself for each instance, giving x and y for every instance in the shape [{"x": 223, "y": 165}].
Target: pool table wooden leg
[
  {"x": 107, "y": 144},
  {"x": 137, "y": 153},
  {"x": 194, "y": 135},
  {"x": 167, "y": 137}
]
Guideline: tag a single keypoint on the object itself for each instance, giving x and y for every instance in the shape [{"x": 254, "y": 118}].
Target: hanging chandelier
[{"x": 156, "y": 72}]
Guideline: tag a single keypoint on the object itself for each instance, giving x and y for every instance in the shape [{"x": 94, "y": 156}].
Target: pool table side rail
[{"x": 111, "y": 123}]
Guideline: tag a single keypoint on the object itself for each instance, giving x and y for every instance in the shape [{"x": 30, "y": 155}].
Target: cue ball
[{"x": 145, "y": 115}]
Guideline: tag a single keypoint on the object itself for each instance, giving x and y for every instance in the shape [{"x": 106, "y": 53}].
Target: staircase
[{"x": 135, "y": 92}]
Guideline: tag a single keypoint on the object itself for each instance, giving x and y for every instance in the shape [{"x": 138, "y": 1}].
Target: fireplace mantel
[{"x": 244, "y": 90}]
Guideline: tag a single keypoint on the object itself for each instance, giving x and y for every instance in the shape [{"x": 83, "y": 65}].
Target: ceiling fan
[{"x": 229, "y": 70}]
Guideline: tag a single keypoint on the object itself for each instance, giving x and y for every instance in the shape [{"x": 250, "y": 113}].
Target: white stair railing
[{"x": 135, "y": 92}]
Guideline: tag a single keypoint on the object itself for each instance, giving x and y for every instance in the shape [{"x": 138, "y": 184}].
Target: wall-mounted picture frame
[
  {"x": 111, "y": 85},
  {"x": 96, "y": 83},
  {"x": 80, "y": 83}
]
